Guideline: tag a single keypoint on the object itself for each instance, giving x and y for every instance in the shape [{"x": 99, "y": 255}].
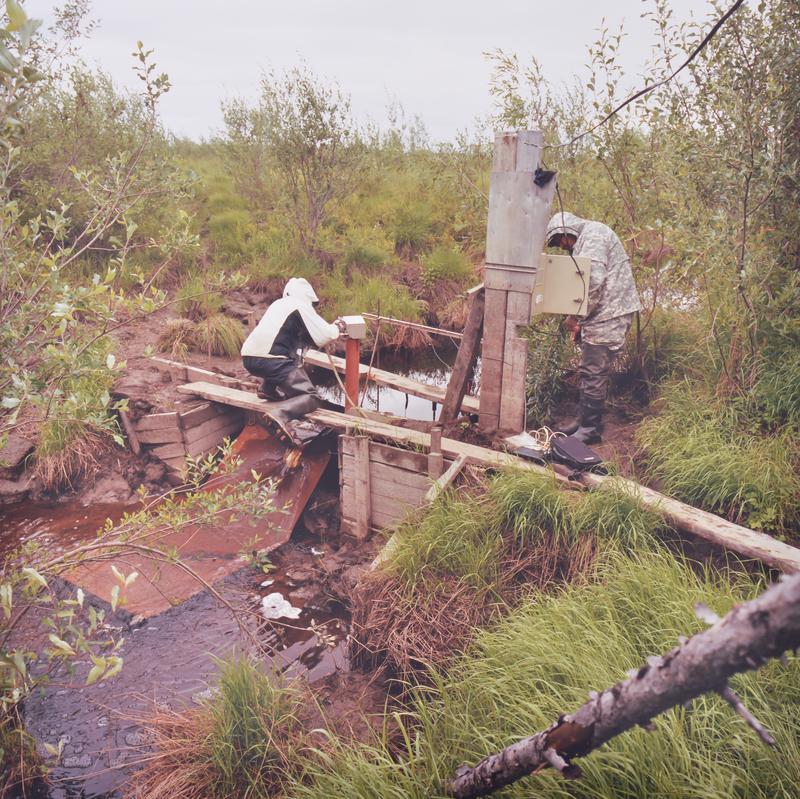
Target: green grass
[
  {"x": 446, "y": 263},
  {"x": 455, "y": 538},
  {"x": 544, "y": 658},
  {"x": 195, "y": 301},
  {"x": 371, "y": 294},
  {"x": 216, "y": 334},
  {"x": 697, "y": 448},
  {"x": 254, "y": 725},
  {"x": 530, "y": 503}
]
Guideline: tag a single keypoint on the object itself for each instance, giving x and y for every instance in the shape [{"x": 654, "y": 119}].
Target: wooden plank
[
  {"x": 199, "y": 414},
  {"x": 518, "y": 307},
  {"x": 392, "y": 456},
  {"x": 225, "y": 420},
  {"x": 130, "y": 432},
  {"x": 164, "y": 435},
  {"x": 498, "y": 277},
  {"x": 512, "y": 400},
  {"x": 411, "y": 496},
  {"x": 391, "y": 380},
  {"x": 504, "y": 157},
  {"x": 156, "y": 421},
  {"x": 466, "y": 357},
  {"x": 388, "y": 476},
  {"x": 445, "y": 479},
  {"x": 491, "y": 389},
  {"x": 175, "y": 369},
  {"x": 169, "y": 451},
  {"x": 435, "y": 457},
  {"x": 210, "y": 442},
  {"x": 362, "y": 487},
  {"x": 227, "y": 396},
  {"x": 494, "y": 316},
  {"x": 708, "y": 526}
]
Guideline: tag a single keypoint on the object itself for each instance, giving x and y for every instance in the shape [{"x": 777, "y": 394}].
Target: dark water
[
  {"x": 432, "y": 366},
  {"x": 171, "y": 659}
]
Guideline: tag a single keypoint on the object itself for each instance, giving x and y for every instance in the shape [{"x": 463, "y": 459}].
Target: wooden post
[
  {"x": 435, "y": 457},
  {"x": 130, "y": 432},
  {"x": 466, "y": 357},
  {"x": 351, "y": 373},
  {"x": 363, "y": 498},
  {"x": 518, "y": 214}
]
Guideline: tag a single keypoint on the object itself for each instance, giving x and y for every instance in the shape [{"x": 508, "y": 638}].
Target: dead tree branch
[{"x": 745, "y": 639}]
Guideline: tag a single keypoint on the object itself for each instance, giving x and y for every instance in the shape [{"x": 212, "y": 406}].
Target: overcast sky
[{"x": 426, "y": 54}]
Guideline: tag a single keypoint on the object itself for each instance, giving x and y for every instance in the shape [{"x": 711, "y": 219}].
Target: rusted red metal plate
[{"x": 216, "y": 551}]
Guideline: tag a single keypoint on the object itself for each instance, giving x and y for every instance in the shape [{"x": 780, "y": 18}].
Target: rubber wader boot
[
  {"x": 574, "y": 425},
  {"x": 591, "y": 421},
  {"x": 284, "y": 412}
]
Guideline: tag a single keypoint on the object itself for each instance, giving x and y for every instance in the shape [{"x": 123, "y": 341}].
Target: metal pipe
[
  {"x": 352, "y": 364},
  {"x": 416, "y": 325}
]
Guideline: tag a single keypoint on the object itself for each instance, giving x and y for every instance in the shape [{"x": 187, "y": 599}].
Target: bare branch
[{"x": 744, "y": 639}]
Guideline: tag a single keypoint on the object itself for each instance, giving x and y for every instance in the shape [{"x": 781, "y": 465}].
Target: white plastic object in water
[{"x": 276, "y": 606}]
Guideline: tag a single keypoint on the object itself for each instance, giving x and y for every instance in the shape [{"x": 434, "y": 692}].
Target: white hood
[{"x": 298, "y": 288}]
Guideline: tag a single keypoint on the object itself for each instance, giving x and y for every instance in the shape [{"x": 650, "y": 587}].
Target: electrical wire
[
  {"x": 577, "y": 268},
  {"x": 647, "y": 89}
]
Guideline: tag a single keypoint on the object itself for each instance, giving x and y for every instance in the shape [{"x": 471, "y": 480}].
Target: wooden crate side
[
  {"x": 156, "y": 421},
  {"x": 389, "y": 455},
  {"x": 165, "y": 435},
  {"x": 223, "y": 421},
  {"x": 169, "y": 451},
  {"x": 210, "y": 442},
  {"x": 199, "y": 414}
]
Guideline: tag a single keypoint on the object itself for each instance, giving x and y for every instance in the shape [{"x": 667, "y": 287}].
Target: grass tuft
[
  {"x": 219, "y": 335},
  {"x": 67, "y": 450},
  {"x": 698, "y": 450},
  {"x": 215, "y": 335},
  {"x": 531, "y": 504},
  {"x": 243, "y": 743},
  {"x": 543, "y": 658},
  {"x": 614, "y": 513},
  {"x": 177, "y": 338},
  {"x": 446, "y": 263}
]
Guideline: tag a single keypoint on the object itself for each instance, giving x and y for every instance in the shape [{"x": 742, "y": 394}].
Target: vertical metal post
[{"x": 351, "y": 373}]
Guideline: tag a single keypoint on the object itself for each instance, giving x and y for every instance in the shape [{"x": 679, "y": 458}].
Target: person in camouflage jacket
[{"x": 613, "y": 300}]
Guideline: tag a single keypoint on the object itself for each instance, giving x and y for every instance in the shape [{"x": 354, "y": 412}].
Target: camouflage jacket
[{"x": 612, "y": 292}]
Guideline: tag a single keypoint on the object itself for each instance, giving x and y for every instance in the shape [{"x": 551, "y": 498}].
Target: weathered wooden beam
[
  {"x": 466, "y": 357},
  {"x": 708, "y": 526},
  {"x": 435, "y": 457},
  {"x": 130, "y": 432},
  {"x": 363, "y": 500}
]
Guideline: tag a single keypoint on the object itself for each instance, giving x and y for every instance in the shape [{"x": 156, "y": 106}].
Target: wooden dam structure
[{"x": 386, "y": 469}]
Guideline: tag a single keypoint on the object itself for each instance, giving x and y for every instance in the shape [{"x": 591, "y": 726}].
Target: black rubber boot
[
  {"x": 288, "y": 410},
  {"x": 590, "y": 429},
  {"x": 574, "y": 425}
]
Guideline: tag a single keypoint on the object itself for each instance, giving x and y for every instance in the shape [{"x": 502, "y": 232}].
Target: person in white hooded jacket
[{"x": 271, "y": 350}]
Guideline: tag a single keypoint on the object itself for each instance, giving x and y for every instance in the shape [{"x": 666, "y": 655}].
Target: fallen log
[{"x": 745, "y": 639}]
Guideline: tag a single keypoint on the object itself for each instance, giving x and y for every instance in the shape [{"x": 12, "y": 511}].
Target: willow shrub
[{"x": 544, "y": 658}]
